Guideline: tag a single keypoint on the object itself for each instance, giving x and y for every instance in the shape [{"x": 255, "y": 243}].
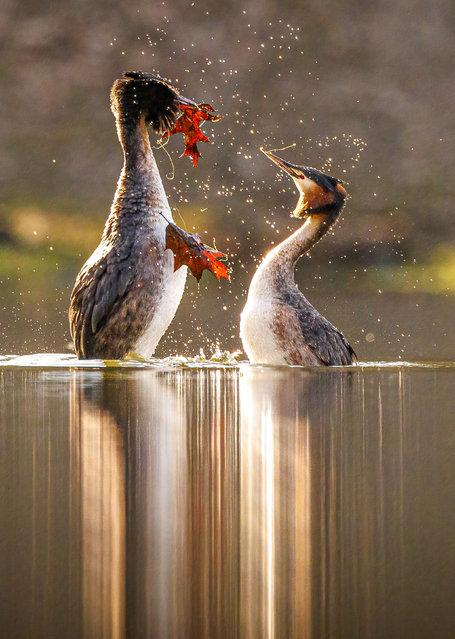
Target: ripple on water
[
  {"x": 62, "y": 360},
  {"x": 218, "y": 360}
]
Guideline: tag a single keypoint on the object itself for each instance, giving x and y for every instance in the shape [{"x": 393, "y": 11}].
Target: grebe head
[
  {"x": 319, "y": 192},
  {"x": 140, "y": 95}
]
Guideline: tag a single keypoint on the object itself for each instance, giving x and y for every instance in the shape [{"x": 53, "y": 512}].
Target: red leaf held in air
[
  {"x": 188, "y": 124},
  {"x": 188, "y": 249}
]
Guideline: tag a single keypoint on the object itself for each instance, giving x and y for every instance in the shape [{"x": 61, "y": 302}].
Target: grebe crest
[{"x": 141, "y": 95}]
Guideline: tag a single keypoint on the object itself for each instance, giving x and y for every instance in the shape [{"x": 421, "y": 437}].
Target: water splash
[{"x": 218, "y": 359}]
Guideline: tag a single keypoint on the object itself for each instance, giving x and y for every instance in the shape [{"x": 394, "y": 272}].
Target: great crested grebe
[
  {"x": 127, "y": 292},
  {"x": 278, "y": 324}
]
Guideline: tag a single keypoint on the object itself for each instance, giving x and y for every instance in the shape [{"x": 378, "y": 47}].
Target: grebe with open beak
[{"x": 278, "y": 325}]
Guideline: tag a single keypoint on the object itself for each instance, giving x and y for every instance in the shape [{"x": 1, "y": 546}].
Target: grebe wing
[
  {"x": 328, "y": 344},
  {"x": 99, "y": 286}
]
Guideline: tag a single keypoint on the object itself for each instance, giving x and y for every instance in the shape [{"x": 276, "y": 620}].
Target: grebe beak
[
  {"x": 286, "y": 166},
  {"x": 317, "y": 190},
  {"x": 186, "y": 102}
]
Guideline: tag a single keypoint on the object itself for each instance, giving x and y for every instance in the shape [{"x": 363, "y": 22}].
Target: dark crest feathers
[{"x": 139, "y": 94}]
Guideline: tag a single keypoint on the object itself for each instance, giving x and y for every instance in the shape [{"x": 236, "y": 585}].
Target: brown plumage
[
  {"x": 127, "y": 293},
  {"x": 278, "y": 324}
]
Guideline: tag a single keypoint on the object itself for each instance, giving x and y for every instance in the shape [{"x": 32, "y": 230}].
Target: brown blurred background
[{"x": 364, "y": 90}]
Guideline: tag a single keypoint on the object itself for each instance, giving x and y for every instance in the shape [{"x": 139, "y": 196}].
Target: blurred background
[{"x": 364, "y": 90}]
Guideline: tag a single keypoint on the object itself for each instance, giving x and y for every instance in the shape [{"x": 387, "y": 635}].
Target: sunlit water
[{"x": 186, "y": 499}]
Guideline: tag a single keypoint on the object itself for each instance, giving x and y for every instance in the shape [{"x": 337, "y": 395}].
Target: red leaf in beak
[{"x": 188, "y": 124}]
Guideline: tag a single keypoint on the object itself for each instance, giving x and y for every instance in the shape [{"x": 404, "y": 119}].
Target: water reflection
[
  {"x": 227, "y": 503},
  {"x": 283, "y": 418},
  {"x": 179, "y": 464},
  {"x": 275, "y": 504},
  {"x": 97, "y": 464}
]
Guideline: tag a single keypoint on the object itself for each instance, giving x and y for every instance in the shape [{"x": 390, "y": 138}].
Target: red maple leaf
[
  {"x": 188, "y": 124},
  {"x": 189, "y": 249}
]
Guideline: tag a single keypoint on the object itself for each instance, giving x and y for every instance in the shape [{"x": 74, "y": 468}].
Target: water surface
[{"x": 213, "y": 501}]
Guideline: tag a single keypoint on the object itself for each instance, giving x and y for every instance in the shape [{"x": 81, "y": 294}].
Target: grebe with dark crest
[
  {"x": 278, "y": 324},
  {"x": 127, "y": 292}
]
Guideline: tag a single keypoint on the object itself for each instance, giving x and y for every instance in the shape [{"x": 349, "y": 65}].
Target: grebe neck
[
  {"x": 278, "y": 265},
  {"x": 302, "y": 240},
  {"x": 134, "y": 138},
  {"x": 140, "y": 192}
]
